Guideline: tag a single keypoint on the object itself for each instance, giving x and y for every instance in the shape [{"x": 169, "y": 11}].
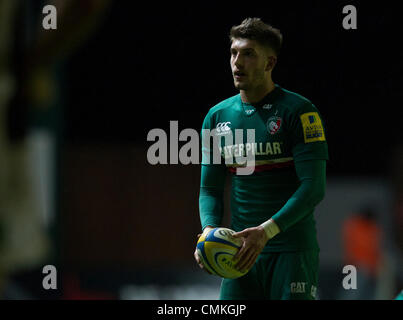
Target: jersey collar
[{"x": 265, "y": 103}]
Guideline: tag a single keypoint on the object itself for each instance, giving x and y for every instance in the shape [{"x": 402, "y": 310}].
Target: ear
[{"x": 271, "y": 62}]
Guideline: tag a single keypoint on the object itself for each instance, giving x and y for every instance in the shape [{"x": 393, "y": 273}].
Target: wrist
[
  {"x": 271, "y": 228},
  {"x": 207, "y": 229}
]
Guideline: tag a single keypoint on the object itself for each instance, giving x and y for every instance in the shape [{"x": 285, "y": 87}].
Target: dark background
[
  {"x": 117, "y": 219},
  {"x": 149, "y": 65}
]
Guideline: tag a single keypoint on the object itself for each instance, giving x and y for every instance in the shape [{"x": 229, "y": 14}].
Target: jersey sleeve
[
  {"x": 307, "y": 134},
  {"x": 208, "y": 148},
  {"x": 211, "y": 196},
  {"x": 213, "y": 173},
  {"x": 312, "y": 175}
]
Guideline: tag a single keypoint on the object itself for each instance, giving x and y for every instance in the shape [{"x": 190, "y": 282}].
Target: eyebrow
[{"x": 242, "y": 49}]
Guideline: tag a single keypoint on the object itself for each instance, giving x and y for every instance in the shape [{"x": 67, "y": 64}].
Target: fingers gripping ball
[{"x": 216, "y": 249}]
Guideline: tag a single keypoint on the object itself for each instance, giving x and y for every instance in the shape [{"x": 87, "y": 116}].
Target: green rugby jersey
[{"x": 288, "y": 128}]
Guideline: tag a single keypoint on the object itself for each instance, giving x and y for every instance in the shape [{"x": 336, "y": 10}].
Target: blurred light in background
[{"x": 76, "y": 106}]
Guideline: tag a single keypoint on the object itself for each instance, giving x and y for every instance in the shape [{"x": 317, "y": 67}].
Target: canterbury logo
[{"x": 223, "y": 127}]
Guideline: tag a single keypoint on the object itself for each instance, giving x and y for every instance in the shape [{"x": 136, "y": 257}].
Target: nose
[{"x": 237, "y": 61}]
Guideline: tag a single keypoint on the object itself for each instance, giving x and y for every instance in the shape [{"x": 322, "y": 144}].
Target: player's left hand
[{"x": 254, "y": 240}]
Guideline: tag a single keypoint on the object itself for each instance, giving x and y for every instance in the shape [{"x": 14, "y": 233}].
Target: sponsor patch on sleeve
[{"x": 312, "y": 127}]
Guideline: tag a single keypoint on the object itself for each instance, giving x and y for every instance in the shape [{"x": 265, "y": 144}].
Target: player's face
[{"x": 249, "y": 64}]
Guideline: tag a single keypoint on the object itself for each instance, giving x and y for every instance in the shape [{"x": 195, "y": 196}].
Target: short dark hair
[{"x": 256, "y": 29}]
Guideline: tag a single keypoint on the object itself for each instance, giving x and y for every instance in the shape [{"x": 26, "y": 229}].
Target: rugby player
[{"x": 272, "y": 209}]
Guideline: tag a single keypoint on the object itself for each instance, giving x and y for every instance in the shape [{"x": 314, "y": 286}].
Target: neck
[{"x": 258, "y": 93}]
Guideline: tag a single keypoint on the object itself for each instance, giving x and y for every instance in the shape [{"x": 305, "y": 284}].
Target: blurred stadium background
[{"x": 76, "y": 104}]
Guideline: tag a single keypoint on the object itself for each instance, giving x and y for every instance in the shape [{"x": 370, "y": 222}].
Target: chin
[{"x": 240, "y": 85}]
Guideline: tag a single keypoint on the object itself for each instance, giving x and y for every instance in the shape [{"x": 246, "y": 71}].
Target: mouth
[{"x": 239, "y": 75}]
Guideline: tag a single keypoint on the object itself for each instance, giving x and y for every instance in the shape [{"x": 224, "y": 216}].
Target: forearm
[
  {"x": 211, "y": 207},
  {"x": 312, "y": 175}
]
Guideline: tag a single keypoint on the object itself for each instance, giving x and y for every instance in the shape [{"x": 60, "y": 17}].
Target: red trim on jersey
[{"x": 267, "y": 167}]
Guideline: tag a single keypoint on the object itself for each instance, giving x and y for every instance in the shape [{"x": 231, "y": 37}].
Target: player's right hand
[{"x": 196, "y": 255}]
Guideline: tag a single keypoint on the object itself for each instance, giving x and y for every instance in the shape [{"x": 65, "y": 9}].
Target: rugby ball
[{"x": 216, "y": 250}]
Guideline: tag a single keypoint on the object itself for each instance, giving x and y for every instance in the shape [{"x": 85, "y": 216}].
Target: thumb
[{"x": 241, "y": 234}]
